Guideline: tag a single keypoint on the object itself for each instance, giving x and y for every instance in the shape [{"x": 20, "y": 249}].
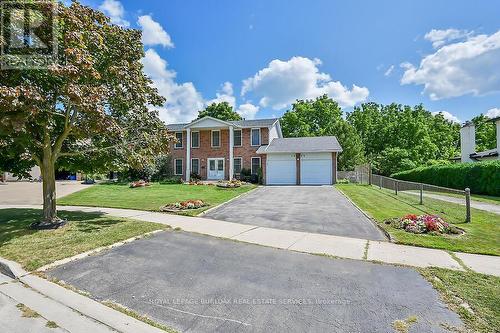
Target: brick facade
[{"x": 206, "y": 151}]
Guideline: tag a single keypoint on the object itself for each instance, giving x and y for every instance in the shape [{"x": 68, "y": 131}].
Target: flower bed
[
  {"x": 229, "y": 184},
  {"x": 184, "y": 205},
  {"x": 140, "y": 183},
  {"x": 423, "y": 224}
]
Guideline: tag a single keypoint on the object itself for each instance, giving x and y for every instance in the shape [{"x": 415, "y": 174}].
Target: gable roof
[
  {"x": 238, "y": 123},
  {"x": 317, "y": 144}
]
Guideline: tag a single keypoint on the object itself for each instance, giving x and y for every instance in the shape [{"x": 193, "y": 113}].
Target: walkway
[
  {"x": 342, "y": 247},
  {"x": 489, "y": 207}
]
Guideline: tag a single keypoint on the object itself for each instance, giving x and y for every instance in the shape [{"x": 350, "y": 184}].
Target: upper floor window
[
  {"x": 255, "y": 137},
  {"x": 195, "y": 139},
  {"x": 237, "y": 138},
  {"x": 216, "y": 138},
  {"x": 178, "y": 136}
]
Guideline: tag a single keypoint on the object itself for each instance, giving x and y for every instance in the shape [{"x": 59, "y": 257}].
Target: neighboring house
[
  {"x": 35, "y": 174},
  {"x": 468, "y": 144},
  {"x": 216, "y": 149}
]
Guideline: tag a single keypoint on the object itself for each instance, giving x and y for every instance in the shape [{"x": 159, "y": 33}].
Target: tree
[
  {"x": 89, "y": 111},
  {"x": 398, "y": 136},
  {"x": 485, "y": 133},
  {"x": 222, "y": 111},
  {"x": 321, "y": 117}
]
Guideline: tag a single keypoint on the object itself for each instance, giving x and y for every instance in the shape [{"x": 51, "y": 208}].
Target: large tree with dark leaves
[
  {"x": 221, "y": 110},
  {"x": 323, "y": 116},
  {"x": 90, "y": 110}
]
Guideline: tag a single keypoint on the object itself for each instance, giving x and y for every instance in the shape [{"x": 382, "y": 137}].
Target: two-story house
[{"x": 217, "y": 149}]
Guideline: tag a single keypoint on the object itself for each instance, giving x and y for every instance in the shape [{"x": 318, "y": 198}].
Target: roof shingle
[{"x": 316, "y": 144}]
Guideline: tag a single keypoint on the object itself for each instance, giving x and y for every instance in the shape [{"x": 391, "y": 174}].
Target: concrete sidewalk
[{"x": 342, "y": 247}]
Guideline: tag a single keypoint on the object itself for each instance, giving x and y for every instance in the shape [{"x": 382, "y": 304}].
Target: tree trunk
[{"x": 49, "y": 190}]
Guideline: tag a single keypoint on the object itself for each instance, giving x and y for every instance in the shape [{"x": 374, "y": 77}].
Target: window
[
  {"x": 237, "y": 138},
  {"x": 195, "y": 166},
  {"x": 178, "y": 166},
  {"x": 178, "y": 136},
  {"x": 216, "y": 138},
  {"x": 255, "y": 136},
  {"x": 195, "y": 139},
  {"x": 237, "y": 165},
  {"x": 255, "y": 165}
]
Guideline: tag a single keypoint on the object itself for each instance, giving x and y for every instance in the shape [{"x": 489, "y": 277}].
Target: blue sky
[{"x": 261, "y": 55}]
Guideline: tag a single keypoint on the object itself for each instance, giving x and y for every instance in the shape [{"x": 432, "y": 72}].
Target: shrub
[{"x": 480, "y": 177}]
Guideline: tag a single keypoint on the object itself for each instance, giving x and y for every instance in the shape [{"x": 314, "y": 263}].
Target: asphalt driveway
[
  {"x": 30, "y": 193},
  {"x": 317, "y": 209},
  {"x": 202, "y": 284}
]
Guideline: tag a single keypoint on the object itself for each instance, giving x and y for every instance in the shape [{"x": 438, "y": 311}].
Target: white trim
[
  {"x": 241, "y": 137},
  {"x": 241, "y": 162},
  {"x": 212, "y": 139},
  {"x": 260, "y": 136},
  {"x": 199, "y": 139},
  {"x": 231, "y": 152},
  {"x": 212, "y": 118},
  {"x": 199, "y": 167},
  {"x": 182, "y": 139},
  {"x": 216, "y": 167},
  {"x": 251, "y": 164},
  {"x": 175, "y": 166}
]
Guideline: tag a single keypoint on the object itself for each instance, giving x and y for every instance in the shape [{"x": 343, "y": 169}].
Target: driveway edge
[
  {"x": 226, "y": 202},
  {"x": 372, "y": 220}
]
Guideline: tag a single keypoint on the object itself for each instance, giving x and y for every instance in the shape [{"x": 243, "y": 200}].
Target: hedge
[{"x": 480, "y": 177}]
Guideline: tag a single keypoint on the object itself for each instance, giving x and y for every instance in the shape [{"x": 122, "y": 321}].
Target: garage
[
  {"x": 281, "y": 169},
  {"x": 315, "y": 158},
  {"x": 315, "y": 168}
]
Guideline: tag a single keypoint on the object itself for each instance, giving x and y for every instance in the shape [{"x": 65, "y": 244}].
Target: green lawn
[
  {"x": 152, "y": 197},
  {"x": 482, "y": 234},
  {"x": 84, "y": 232},
  {"x": 480, "y": 292}
]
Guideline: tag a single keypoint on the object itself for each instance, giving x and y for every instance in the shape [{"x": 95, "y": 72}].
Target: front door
[{"x": 215, "y": 168}]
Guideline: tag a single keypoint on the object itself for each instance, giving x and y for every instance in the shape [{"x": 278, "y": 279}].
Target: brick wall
[{"x": 205, "y": 151}]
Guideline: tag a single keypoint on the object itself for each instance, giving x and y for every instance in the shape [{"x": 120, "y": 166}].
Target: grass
[
  {"x": 137, "y": 316},
  {"x": 151, "y": 198},
  {"x": 481, "y": 236},
  {"x": 84, "y": 232},
  {"x": 51, "y": 324},
  {"x": 27, "y": 312},
  {"x": 475, "y": 297}
]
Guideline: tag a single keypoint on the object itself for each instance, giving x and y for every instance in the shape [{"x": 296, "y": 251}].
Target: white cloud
[
  {"x": 114, "y": 9},
  {"x": 248, "y": 110},
  {"x": 448, "y": 116},
  {"x": 466, "y": 67},
  {"x": 493, "y": 113},
  {"x": 153, "y": 33},
  {"x": 389, "y": 70},
  {"x": 225, "y": 94},
  {"x": 282, "y": 82},
  {"x": 183, "y": 100},
  {"x": 441, "y": 37}
]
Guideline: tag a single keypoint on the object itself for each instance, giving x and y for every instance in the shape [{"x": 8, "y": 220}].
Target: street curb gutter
[{"x": 79, "y": 303}]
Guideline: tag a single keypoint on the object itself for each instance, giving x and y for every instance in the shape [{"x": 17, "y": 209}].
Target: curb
[
  {"x": 11, "y": 268},
  {"x": 372, "y": 220},
  {"x": 224, "y": 203}
]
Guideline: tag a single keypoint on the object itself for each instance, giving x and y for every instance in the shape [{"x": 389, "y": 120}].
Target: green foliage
[
  {"x": 159, "y": 170},
  {"x": 321, "y": 117},
  {"x": 222, "y": 111},
  {"x": 480, "y": 177},
  {"x": 397, "y": 137},
  {"x": 485, "y": 133}
]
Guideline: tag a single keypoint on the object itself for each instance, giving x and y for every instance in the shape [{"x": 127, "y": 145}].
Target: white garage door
[
  {"x": 280, "y": 169},
  {"x": 316, "y": 169}
]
